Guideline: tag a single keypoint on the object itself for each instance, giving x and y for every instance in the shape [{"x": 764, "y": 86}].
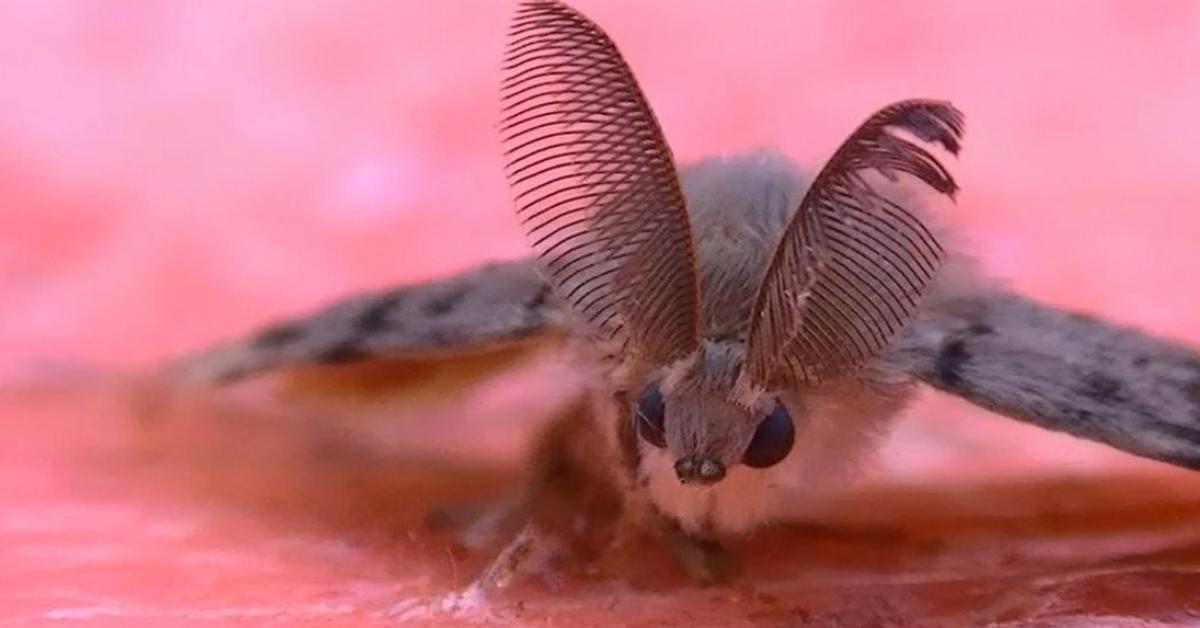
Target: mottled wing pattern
[
  {"x": 1062, "y": 371},
  {"x": 495, "y": 304},
  {"x": 595, "y": 185},
  {"x": 854, "y": 262}
]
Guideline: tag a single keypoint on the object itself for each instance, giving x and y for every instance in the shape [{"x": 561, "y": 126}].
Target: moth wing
[
  {"x": 1061, "y": 371},
  {"x": 477, "y": 321}
]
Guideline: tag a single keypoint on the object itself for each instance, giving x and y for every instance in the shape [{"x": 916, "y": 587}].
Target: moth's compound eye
[
  {"x": 772, "y": 440},
  {"x": 649, "y": 415}
]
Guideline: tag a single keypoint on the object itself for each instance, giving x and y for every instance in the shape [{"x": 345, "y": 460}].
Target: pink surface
[{"x": 173, "y": 173}]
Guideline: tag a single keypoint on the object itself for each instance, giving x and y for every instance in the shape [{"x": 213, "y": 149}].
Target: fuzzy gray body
[{"x": 738, "y": 207}]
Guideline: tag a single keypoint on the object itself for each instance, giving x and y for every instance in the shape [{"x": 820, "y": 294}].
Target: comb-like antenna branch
[
  {"x": 595, "y": 186},
  {"x": 853, "y": 264}
]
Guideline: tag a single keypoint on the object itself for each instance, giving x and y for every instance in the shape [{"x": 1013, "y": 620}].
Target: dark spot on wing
[
  {"x": 950, "y": 362},
  {"x": 442, "y": 304},
  {"x": 980, "y": 329},
  {"x": 1141, "y": 361},
  {"x": 1180, "y": 432},
  {"x": 375, "y": 317},
  {"x": 277, "y": 335},
  {"x": 231, "y": 375},
  {"x": 1081, "y": 415},
  {"x": 1104, "y": 389},
  {"x": 1191, "y": 390},
  {"x": 1073, "y": 418},
  {"x": 341, "y": 352}
]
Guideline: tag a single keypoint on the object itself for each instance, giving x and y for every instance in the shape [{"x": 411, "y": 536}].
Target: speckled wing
[
  {"x": 855, "y": 260},
  {"x": 595, "y": 185},
  {"x": 493, "y": 306},
  {"x": 1060, "y": 370}
]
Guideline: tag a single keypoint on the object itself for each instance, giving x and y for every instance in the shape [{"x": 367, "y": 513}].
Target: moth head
[{"x": 692, "y": 411}]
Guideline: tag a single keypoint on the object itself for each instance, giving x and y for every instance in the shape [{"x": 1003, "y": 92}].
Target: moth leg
[
  {"x": 709, "y": 563},
  {"x": 525, "y": 549},
  {"x": 528, "y": 548},
  {"x": 621, "y": 547},
  {"x": 481, "y": 525},
  {"x": 705, "y": 561},
  {"x": 553, "y": 514}
]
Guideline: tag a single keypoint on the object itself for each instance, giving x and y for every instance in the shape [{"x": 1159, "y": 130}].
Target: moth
[{"x": 744, "y": 330}]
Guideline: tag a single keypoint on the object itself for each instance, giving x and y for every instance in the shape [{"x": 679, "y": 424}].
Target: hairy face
[{"x": 693, "y": 415}]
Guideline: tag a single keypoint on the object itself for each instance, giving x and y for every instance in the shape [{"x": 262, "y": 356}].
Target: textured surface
[{"x": 172, "y": 175}]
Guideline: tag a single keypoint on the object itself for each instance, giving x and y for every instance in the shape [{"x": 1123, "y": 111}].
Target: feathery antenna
[
  {"x": 853, "y": 265},
  {"x": 595, "y": 185}
]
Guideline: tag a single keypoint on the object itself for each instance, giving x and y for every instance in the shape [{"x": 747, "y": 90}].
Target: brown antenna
[
  {"x": 595, "y": 186},
  {"x": 853, "y": 265}
]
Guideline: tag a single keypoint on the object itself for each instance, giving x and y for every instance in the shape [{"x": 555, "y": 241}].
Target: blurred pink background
[{"x": 174, "y": 173}]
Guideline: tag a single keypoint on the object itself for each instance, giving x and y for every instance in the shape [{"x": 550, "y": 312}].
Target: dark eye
[
  {"x": 772, "y": 440},
  {"x": 649, "y": 416}
]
